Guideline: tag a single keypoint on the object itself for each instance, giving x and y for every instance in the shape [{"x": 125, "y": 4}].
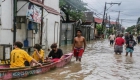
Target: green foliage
[
  {"x": 109, "y": 31},
  {"x": 61, "y": 3},
  {"x": 130, "y": 29},
  {"x": 138, "y": 22},
  {"x": 73, "y": 8},
  {"x": 76, "y": 15},
  {"x": 98, "y": 27}
]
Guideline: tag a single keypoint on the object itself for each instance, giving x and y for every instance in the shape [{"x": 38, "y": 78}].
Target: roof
[
  {"x": 98, "y": 20},
  {"x": 47, "y": 8},
  {"x": 112, "y": 22}
]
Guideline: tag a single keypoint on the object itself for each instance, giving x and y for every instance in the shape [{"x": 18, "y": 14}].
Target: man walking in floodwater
[
  {"x": 119, "y": 42},
  {"x": 112, "y": 38},
  {"x": 79, "y": 45}
]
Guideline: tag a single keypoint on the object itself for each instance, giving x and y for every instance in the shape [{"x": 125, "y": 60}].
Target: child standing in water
[{"x": 130, "y": 45}]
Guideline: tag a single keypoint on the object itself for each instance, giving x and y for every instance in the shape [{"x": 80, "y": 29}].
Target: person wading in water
[
  {"x": 79, "y": 45},
  {"x": 119, "y": 42}
]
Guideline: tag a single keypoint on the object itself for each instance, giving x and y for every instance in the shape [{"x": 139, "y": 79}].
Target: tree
[
  {"x": 109, "y": 31},
  {"x": 138, "y": 25},
  {"x": 99, "y": 28},
  {"x": 138, "y": 22},
  {"x": 73, "y": 9},
  {"x": 130, "y": 29}
]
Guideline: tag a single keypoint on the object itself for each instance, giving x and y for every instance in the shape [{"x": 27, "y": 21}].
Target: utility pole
[
  {"x": 105, "y": 22},
  {"x": 121, "y": 24},
  {"x": 109, "y": 25},
  {"x": 14, "y": 21},
  {"x": 118, "y": 21},
  {"x": 106, "y": 19},
  {"x": 104, "y": 16},
  {"x": 105, "y": 12}
]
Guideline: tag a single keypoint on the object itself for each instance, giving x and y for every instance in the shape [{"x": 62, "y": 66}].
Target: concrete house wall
[
  {"x": 51, "y": 24},
  {"x": 6, "y": 35},
  {"x": 51, "y": 28}
]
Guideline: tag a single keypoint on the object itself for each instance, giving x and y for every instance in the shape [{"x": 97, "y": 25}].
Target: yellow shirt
[
  {"x": 18, "y": 57},
  {"x": 35, "y": 56}
]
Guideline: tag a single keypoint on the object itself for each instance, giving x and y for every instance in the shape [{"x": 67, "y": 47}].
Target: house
[
  {"x": 68, "y": 29},
  {"x": 113, "y": 25},
  {"x": 30, "y": 21},
  {"x": 97, "y": 21},
  {"x": 88, "y": 26}
]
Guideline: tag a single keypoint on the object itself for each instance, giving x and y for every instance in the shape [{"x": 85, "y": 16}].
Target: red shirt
[{"x": 119, "y": 41}]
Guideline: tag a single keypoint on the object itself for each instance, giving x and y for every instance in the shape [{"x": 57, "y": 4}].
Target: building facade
[{"x": 36, "y": 21}]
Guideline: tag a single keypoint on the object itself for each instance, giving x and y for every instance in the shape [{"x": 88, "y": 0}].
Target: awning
[{"x": 47, "y": 8}]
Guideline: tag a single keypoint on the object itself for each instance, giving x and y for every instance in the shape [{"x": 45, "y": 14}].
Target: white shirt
[{"x": 112, "y": 37}]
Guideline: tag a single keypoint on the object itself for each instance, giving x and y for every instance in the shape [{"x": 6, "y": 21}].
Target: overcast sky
[{"x": 130, "y": 10}]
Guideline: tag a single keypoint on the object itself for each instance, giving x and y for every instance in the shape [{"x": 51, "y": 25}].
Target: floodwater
[{"x": 98, "y": 63}]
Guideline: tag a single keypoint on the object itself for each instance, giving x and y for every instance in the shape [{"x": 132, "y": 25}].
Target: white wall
[
  {"x": 33, "y": 38},
  {"x": 21, "y": 33},
  {"x": 23, "y": 10},
  {"x": 6, "y": 36},
  {"x": 49, "y": 24}
]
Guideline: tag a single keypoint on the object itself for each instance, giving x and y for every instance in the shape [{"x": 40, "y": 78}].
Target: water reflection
[
  {"x": 129, "y": 60},
  {"x": 98, "y": 63},
  {"x": 118, "y": 58}
]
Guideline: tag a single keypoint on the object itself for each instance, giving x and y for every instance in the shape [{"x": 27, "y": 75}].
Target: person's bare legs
[
  {"x": 80, "y": 59},
  {"x": 76, "y": 58},
  {"x": 130, "y": 54},
  {"x": 126, "y": 53}
]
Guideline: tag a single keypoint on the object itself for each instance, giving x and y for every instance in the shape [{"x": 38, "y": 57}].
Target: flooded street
[{"x": 98, "y": 63}]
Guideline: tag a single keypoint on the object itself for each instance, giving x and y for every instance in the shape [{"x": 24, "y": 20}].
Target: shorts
[
  {"x": 78, "y": 52},
  {"x": 118, "y": 49},
  {"x": 129, "y": 50},
  {"x": 111, "y": 41}
]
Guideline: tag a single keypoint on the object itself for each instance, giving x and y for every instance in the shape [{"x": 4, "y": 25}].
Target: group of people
[
  {"x": 20, "y": 58},
  {"x": 119, "y": 41}
]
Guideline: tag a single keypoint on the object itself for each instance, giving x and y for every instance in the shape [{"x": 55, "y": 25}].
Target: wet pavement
[{"x": 98, "y": 63}]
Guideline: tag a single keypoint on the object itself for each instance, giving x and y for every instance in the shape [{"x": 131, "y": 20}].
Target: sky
[{"x": 129, "y": 10}]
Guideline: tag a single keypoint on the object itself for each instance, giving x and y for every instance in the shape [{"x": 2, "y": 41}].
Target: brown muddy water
[{"x": 98, "y": 63}]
